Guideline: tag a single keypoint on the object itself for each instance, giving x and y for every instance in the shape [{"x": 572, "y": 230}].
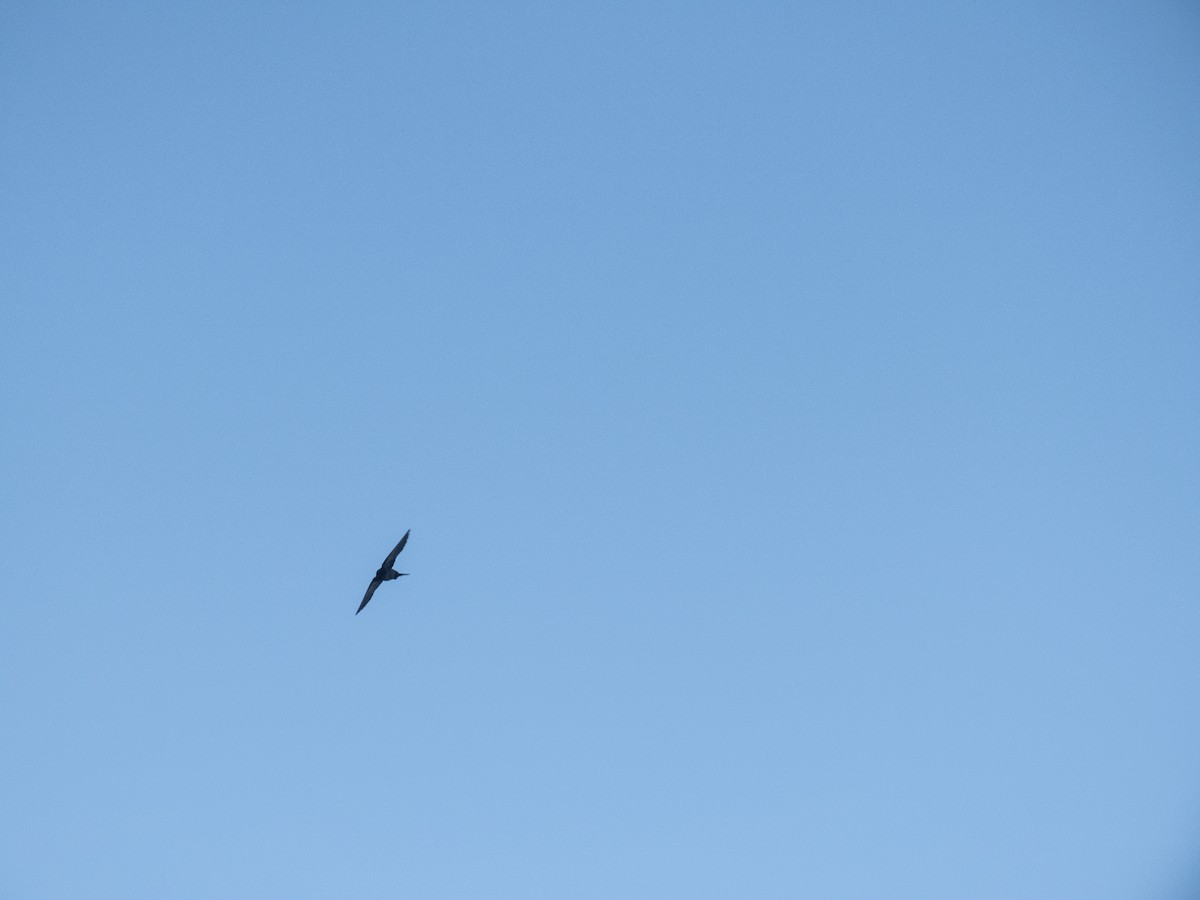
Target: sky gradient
[{"x": 796, "y": 408}]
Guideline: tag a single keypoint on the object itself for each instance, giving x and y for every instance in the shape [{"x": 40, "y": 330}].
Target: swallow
[{"x": 385, "y": 573}]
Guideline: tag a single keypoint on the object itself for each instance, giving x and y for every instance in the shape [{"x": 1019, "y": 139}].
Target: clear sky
[{"x": 796, "y": 408}]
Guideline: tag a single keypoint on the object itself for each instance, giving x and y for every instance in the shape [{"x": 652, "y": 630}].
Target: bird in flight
[{"x": 385, "y": 573}]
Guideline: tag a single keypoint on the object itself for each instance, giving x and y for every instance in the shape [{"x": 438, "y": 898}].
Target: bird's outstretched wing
[
  {"x": 375, "y": 582},
  {"x": 391, "y": 559}
]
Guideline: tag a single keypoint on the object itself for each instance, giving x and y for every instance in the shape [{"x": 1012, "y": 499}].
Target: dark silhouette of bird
[{"x": 385, "y": 573}]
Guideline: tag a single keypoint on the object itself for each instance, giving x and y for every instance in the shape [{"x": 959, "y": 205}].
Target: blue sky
[{"x": 795, "y": 408}]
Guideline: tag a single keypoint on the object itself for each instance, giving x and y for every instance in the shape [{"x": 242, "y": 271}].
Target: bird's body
[{"x": 384, "y": 573}]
